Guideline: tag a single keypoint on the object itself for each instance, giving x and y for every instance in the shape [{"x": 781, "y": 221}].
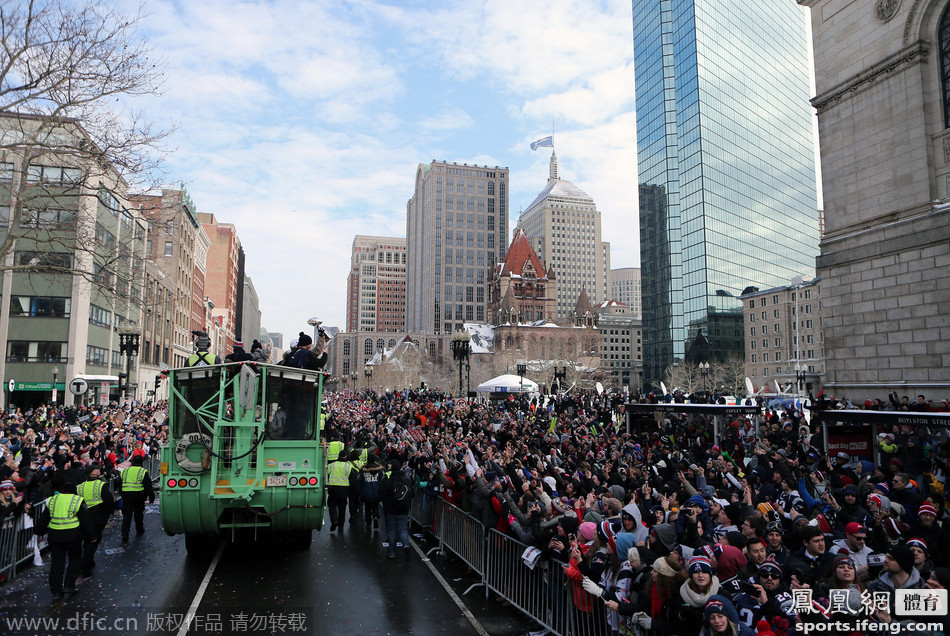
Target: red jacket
[{"x": 582, "y": 600}]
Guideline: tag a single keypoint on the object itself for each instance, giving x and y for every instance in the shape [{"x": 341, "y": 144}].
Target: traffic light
[{"x": 158, "y": 380}]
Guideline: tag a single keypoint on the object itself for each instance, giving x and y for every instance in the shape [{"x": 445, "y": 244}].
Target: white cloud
[{"x": 303, "y": 123}]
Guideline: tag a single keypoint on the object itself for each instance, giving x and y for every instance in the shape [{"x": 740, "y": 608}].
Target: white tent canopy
[{"x": 508, "y": 383}]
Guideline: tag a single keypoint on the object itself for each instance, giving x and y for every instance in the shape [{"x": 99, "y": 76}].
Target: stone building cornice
[{"x": 905, "y": 58}]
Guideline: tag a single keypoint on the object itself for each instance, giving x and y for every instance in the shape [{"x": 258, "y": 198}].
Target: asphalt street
[{"x": 343, "y": 584}]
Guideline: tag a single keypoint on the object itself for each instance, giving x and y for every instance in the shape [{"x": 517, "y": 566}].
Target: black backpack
[{"x": 400, "y": 489}]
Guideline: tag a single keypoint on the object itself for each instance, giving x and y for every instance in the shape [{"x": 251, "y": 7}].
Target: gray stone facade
[{"x": 885, "y": 155}]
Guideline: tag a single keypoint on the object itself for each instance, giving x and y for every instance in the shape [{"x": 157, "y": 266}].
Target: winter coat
[{"x": 368, "y": 482}]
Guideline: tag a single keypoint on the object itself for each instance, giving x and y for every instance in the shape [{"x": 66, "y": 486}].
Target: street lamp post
[
  {"x": 55, "y": 376},
  {"x": 704, "y": 372},
  {"x": 129, "y": 345},
  {"x": 461, "y": 350},
  {"x": 354, "y": 377},
  {"x": 800, "y": 370},
  {"x": 522, "y": 369},
  {"x": 368, "y": 372}
]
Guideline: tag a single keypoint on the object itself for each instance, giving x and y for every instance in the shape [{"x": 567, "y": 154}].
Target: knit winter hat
[
  {"x": 608, "y": 533},
  {"x": 927, "y": 508},
  {"x": 714, "y": 606},
  {"x": 762, "y": 628},
  {"x": 706, "y": 551},
  {"x": 304, "y": 340},
  {"x": 699, "y": 564},
  {"x": 7, "y": 485},
  {"x": 587, "y": 530},
  {"x": 661, "y": 566},
  {"x": 903, "y": 556},
  {"x": 697, "y": 500},
  {"x": 770, "y": 565},
  {"x": 919, "y": 543},
  {"x": 843, "y": 558}
]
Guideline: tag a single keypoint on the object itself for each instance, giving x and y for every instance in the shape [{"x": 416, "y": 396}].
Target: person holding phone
[{"x": 766, "y": 596}]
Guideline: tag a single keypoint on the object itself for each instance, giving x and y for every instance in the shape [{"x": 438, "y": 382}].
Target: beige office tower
[
  {"x": 456, "y": 231},
  {"x": 376, "y": 285},
  {"x": 563, "y": 225},
  {"x": 624, "y": 285}
]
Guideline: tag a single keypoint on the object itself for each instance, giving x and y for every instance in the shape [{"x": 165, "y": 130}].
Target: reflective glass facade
[{"x": 726, "y": 167}]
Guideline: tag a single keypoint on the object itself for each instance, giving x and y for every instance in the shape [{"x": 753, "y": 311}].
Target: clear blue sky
[{"x": 302, "y": 123}]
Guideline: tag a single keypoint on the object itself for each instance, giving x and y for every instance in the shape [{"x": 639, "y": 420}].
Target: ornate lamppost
[
  {"x": 129, "y": 345},
  {"x": 55, "y": 376},
  {"x": 461, "y": 350},
  {"x": 704, "y": 372},
  {"x": 368, "y": 372},
  {"x": 522, "y": 369},
  {"x": 800, "y": 370}
]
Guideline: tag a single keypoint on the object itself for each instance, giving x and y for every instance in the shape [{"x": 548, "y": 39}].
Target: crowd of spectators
[
  {"x": 43, "y": 446},
  {"x": 666, "y": 529},
  {"x": 661, "y": 528}
]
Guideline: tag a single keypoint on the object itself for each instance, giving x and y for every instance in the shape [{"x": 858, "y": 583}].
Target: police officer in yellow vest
[
  {"x": 67, "y": 521},
  {"x": 95, "y": 492},
  {"x": 340, "y": 477},
  {"x": 136, "y": 486}
]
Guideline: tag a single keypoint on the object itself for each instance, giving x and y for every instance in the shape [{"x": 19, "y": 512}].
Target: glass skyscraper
[{"x": 726, "y": 168}]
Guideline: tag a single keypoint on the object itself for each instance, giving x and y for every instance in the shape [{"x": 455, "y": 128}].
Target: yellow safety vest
[
  {"x": 364, "y": 457},
  {"x": 201, "y": 357},
  {"x": 339, "y": 474},
  {"x": 132, "y": 477},
  {"x": 64, "y": 511},
  {"x": 91, "y": 491},
  {"x": 333, "y": 454}
]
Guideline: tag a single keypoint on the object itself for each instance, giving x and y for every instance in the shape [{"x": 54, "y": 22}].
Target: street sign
[
  {"x": 78, "y": 386},
  {"x": 104, "y": 394}
]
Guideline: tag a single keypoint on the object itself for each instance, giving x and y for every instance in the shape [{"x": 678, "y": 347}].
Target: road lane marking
[
  {"x": 193, "y": 609},
  {"x": 455, "y": 597}
]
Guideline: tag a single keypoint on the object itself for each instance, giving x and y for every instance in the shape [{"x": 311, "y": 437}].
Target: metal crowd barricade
[
  {"x": 422, "y": 508},
  {"x": 16, "y": 540},
  {"x": 543, "y": 592}
]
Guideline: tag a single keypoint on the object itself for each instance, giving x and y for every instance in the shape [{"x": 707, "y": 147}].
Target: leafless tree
[
  {"x": 731, "y": 374},
  {"x": 71, "y": 141}
]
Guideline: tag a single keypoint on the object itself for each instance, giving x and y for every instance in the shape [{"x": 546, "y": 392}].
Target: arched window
[
  {"x": 346, "y": 347},
  {"x": 392, "y": 343},
  {"x": 368, "y": 347},
  {"x": 379, "y": 343},
  {"x": 943, "y": 35},
  {"x": 432, "y": 349},
  {"x": 491, "y": 188}
]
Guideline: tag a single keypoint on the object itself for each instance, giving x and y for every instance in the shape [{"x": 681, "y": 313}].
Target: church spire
[{"x": 552, "y": 170}]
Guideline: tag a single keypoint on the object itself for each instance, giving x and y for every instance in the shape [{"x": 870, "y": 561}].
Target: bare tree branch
[{"x": 70, "y": 141}]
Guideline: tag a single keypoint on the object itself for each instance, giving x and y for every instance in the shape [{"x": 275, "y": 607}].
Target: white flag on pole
[{"x": 544, "y": 142}]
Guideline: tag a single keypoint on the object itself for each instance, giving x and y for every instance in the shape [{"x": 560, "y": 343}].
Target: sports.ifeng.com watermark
[{"x": 872, "y": 612}]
